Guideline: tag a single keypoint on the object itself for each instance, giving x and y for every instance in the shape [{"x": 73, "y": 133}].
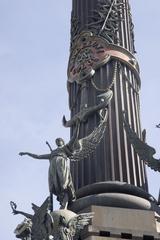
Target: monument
[{"x": 104, "y": 192}]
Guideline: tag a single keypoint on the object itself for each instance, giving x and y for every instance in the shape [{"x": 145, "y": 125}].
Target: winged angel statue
[
  {"x": 45, "y": 225},
  {"x": 37, "y": 226},
  {"x": 68, "y": 224},
  {"x": 144, "y": 151},
  {"x": 60, "y": 180}
]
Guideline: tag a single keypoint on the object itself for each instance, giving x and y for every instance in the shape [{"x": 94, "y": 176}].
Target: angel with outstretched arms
[
  {"x": 59, "y": 176},
  {"x": 60, "y": 179}
]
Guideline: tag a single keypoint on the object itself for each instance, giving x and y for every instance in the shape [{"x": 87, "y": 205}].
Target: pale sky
[{"x": 34, "y": 51}]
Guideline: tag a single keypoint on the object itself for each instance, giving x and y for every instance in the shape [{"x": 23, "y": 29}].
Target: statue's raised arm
[
  {"x": 44, "y": 156},
  {"x": 15, "y": 211}
]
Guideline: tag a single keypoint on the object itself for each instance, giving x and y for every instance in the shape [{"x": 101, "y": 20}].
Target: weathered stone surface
[{"x": 118, "y": 222}]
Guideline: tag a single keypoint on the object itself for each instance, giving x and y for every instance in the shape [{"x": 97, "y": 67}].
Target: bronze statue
[
  {"x": 60, "y": 180},
  {"x": 37, "y": 226},
  {"x": 46, "y": 225},
  {"x": 63, "y": 224},
  {"x": 23, "y": 230},
  {"x": 68, "y": 225}
]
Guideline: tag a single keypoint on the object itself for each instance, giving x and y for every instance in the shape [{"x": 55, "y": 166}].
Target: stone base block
[{"x": 120, "y": 223}]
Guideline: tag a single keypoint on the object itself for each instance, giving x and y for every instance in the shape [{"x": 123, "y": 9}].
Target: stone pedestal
[{"x": 119, "y": 223}]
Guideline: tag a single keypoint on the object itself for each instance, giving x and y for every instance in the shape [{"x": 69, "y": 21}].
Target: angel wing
[
  {"x": 78, "y": 222},
  {"x": 144, "y": 151},
  {"x": 88, "y": 144},
  {"x": 41, "y": 211},
  {"x": 41, "y": 222},
  {"x": 35, "y": 207}
]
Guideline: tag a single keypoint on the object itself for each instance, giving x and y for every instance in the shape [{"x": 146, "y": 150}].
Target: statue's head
[{"x": 60, "y": 142}]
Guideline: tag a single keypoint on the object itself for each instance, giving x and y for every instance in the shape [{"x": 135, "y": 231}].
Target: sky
[{"x": 34, "y": 52}]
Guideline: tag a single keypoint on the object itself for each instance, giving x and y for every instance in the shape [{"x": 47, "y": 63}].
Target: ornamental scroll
[{"x": 91, "y": 52}]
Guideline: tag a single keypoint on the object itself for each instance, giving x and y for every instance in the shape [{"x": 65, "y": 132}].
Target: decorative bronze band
[
  {"x": 91, "y": 52},
  {"x": 124, "y": 56}
]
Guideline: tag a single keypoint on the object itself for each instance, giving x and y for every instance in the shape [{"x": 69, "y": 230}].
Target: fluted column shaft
[{"x": 114, "y": 159}]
